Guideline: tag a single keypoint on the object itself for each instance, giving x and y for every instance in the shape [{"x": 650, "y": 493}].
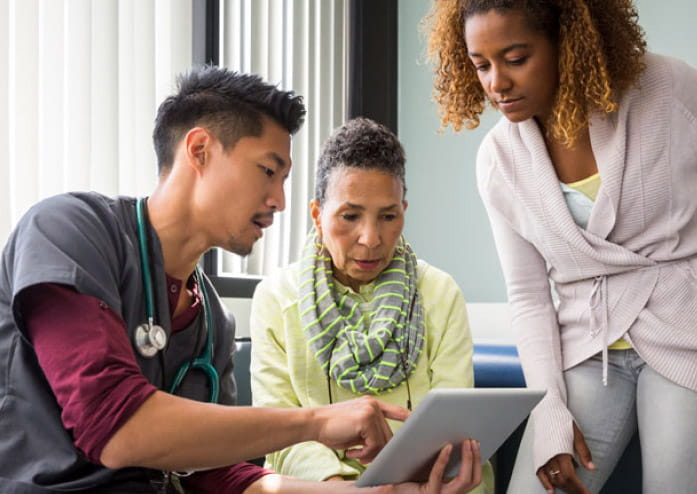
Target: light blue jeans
[{"x": 636, "y": 396}]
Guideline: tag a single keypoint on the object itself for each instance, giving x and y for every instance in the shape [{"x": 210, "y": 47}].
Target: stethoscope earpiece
[{"x": 150, "y": 339}]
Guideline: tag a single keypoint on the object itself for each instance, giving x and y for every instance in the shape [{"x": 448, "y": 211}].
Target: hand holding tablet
[{"x": 449, "y": 416}]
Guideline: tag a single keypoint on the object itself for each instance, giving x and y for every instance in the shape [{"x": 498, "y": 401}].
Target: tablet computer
[{"x": 488, "y": 415}]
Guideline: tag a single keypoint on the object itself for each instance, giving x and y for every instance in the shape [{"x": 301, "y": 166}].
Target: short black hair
[
  {"x": 360, "y": 143},
  {"x": 228, "y": 103}
]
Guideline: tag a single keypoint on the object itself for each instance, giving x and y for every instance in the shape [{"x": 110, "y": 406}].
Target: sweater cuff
[
  {"x": 312, "y": 461},
  {"x": 553, "y": 433}
]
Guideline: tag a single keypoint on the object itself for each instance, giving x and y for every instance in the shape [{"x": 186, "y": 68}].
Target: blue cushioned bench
[{"x": 495, "y": 366}]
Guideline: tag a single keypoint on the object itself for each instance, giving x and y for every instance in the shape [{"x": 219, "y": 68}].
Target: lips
[
  {"x": 509, "y": 104},
  {"x": 367, "y": 264},
  {"x": 263, "y": 221}
]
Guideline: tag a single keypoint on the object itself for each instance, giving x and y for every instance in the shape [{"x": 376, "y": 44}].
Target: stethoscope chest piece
[{"x": 150, "y": 339}]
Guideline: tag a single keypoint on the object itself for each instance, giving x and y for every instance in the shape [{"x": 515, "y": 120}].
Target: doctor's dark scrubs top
[{"x": 87, "y": 242}]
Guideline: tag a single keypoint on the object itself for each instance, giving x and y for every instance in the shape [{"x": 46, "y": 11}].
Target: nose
[
  {"x": 276, "y": 199},
  {"x": 499, "y": 81},
  {"x": 370, "y": 235}
]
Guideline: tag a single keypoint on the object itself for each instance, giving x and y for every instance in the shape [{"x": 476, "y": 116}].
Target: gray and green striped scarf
[{"x": 362, "y": 359}]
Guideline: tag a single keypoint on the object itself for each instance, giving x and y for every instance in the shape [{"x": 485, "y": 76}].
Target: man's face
[{"x": 242, "y": 188}]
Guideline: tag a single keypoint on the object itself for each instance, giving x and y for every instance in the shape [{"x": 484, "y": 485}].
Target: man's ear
[
  {"x": 197, "y": 143},
  {"x": 316, "y": 213}
]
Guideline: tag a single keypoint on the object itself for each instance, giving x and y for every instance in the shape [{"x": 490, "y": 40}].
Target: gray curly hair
[{"x": 360, "y": 143}]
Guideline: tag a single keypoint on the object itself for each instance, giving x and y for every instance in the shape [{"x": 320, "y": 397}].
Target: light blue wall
[{"x": 446, "y": 222}]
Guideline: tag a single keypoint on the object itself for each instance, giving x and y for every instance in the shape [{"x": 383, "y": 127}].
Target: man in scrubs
[{"x": 95, "y": 399}]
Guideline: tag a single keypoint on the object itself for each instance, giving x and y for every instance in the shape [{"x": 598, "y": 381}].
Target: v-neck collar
[{"x": 608, "y": 151}]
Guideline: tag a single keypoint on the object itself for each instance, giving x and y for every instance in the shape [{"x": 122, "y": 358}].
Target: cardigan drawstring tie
[{"x": 599, "y": 322}]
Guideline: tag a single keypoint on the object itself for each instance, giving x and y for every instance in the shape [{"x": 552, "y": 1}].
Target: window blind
[
  {"x": 80, "y": 89},
  {"x": 299, "y": 45}
]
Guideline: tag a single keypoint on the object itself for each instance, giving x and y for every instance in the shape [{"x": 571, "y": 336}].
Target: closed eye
[
  {"x": 349, "y": 216},
  {"x": 267, "y": 171}
]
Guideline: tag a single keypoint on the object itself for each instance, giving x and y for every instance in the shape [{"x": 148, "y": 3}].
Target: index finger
[
  {"x": 570, "y": 481},
  {"x": 370, "y": 449},
  {"x": 374, "y": 439},
  {"x": 545, "y": 481},
  {"x": 394, "y": 412},
  {"x": 435, "y": 479},
  {"x": 577, "y": 485}
]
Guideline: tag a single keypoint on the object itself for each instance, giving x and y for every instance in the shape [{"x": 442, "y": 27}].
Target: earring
[{"x": 401, "y": 246}]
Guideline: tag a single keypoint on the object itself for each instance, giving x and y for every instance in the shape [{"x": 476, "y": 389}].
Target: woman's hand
[
  {"x": 560, "y": 471},
  {"x": 468, "y": 478}
]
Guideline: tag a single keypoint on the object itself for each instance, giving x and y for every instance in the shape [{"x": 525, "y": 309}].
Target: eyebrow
[
  {"x": 275, "y": 157},
  {"x": 358, "y": 206},
  {"x": 504, "y": 51}
]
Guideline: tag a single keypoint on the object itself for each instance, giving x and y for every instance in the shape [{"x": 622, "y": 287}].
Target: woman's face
[
  {"x": 517, "y": 66},
  {"x": 360, "y": 222}
]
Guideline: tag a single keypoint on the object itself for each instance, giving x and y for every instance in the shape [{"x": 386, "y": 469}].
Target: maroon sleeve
[
  {"x": 83, "y": 348},
  {"x": 228, "y": 480}
]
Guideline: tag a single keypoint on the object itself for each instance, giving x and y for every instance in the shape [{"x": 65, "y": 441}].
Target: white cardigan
[{"x": 632, "y": 272}]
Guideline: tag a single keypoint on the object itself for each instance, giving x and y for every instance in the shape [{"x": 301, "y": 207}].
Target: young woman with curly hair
[{"x": 590, "y": 181}]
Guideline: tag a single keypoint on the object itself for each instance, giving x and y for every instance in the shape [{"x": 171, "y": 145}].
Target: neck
[
  {"x": 346, "y": 280},
  {"x": 182, "y": 245},
  {"x": 574, "y": 163}
]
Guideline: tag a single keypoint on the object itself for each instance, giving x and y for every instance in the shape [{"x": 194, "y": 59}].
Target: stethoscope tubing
[
  {"x": 203, "y": 362},
  {"x": 144, "y": 264}
]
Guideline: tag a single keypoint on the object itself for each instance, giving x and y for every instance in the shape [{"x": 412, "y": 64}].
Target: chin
[
  {"x": 516, "y": 117},
  {"x": 239, "y": 248},
  {"x": 366, "y": 276}
]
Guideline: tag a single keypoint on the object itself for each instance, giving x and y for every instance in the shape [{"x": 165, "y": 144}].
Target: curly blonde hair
[{"x": 601, "y": 50}]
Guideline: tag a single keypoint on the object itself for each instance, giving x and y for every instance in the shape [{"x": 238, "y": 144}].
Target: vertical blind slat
[
  {"x": 23, "y": 105},
  {"x": 5, "y": 210},
  {"x": 303, "y": 175},
  {"x": 144, "y": 109},
  {"x": 77, "y": 94},
  {"x": 126, "y": 91},
  {"x": 104, "y": 158},
  {"x": 51, "y": 127}
]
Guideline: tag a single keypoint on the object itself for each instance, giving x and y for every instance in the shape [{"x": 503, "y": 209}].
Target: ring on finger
[{"x": 553, "y": 473}]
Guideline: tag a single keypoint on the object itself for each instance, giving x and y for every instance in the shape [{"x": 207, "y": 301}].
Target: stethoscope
[{"x": 149, "y": 338}]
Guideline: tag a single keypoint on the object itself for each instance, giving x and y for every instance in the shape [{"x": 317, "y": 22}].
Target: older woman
[{"x": 358, "y": 314}]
